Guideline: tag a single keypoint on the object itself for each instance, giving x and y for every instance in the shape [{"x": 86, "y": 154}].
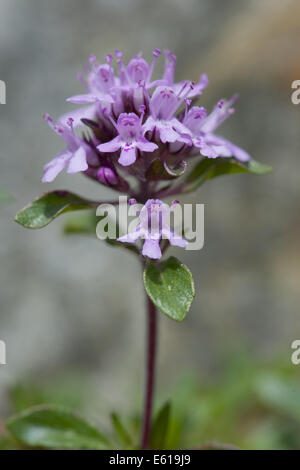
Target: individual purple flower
[
  {"x": 192, "y": 121},
  {"x": 98, "y": 85},
  {"x": 203, "y": 126},
  {"x": 163, "y": 104},
  {"x": 154, "y": 219},
  {"x": 74, "y": 155},
  {"x": 100, "y": 92},
  {"x": 130, "y": 139},
  {"x": 137, "y": 72}
]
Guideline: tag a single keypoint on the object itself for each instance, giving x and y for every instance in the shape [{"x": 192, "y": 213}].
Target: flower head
[
  {"x": 135, "y": 118},
  {"x": 154, "y": 219}
]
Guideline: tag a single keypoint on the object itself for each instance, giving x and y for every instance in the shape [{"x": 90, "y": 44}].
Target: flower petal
[
  {"x": 78, "y": 161},
  {"x": 83, "y": 99},
  {"x": 225, "y": 148},
  {"x": 53, "y": 168},
  {"x": 131, "y": 237},
  {"x": 167, "y": 133},
  {"x": 111, "y": 146},
  {"x": 90, "y": 98},
  {"x": 149, "y": 124},
  {"x": 152, "y": 249},
  {"x": 239, "y": 153},
  {"x": 145, "y": 146},
  {"x": 128, "y": 155},
  {"x": 174, "y": 238},
  {"x": 205, "y": 149}
]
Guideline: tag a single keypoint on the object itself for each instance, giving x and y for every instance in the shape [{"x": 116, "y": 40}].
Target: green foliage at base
[{"x": 248, "y": 406}]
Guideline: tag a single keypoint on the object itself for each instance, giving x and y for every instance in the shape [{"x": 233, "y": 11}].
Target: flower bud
[{"x": 107, "y": 176}]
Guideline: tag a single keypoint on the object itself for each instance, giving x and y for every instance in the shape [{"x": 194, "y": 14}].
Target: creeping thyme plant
[{"x": 148, "y": 139}]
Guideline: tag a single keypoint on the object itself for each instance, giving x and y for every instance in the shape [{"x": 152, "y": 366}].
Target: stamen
[
  {"x": 156, "y": 53},
  {"x": 70, "y": 122},
  {"x": 170, "y": 56},
  {"x": 187, "y": 105},
  {"x": 142, "y": 111},
  {"x": 180, "y": 101},
  {"x": 47, "y": 118},
  {"x": 182, "y": 88},
  {"x": 142, "y": 84}
]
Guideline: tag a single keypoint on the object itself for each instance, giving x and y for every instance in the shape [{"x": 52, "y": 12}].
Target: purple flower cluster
[{"x": 132, "y": 119}]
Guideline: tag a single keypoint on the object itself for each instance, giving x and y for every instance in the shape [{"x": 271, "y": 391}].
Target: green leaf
[
  {"x": 55, "y": 427},
  {"x": 209, "y": 168},
  {"x": 120, "y": 431},
  {"x": 160, "y": 428},
  {"x": 43, "y": 210},
  {"x": 170, "y": 286}
]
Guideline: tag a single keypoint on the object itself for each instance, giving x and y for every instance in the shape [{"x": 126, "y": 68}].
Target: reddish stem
[{"x": 150, "y": 372}]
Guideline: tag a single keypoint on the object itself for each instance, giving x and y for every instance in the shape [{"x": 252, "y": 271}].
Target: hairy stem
[{"x": 150, "y": 373}]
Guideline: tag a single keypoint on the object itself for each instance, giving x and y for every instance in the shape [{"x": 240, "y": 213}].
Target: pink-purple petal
[
  {"x": 145, "y": 146},
  {"x": 78, "y": 161},
  {"x": 174, "y": 238},
  {"x": 151, "y": 249},
  {"x": 111, "y": 146},
  {"x": 131, "y": 237},
  {"x": 128, "y": 155},
  {"x": 53, "y": 168}
]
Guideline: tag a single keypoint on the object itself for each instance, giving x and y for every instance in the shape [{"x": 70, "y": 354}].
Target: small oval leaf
[
  {"x": 43, "y": 210},
  {"x": 170, "y": 286},
  {"x": 55, "y": 427}
]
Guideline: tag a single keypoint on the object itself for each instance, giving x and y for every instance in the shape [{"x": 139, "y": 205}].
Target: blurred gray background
[{"x": 77, "y": 304}]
